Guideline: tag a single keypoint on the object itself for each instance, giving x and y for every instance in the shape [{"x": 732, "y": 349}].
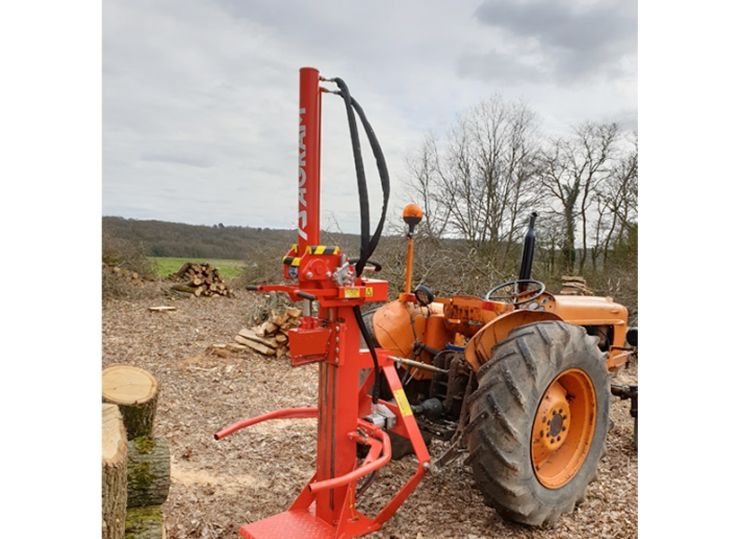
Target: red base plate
[{"x": 296, "y": 523}]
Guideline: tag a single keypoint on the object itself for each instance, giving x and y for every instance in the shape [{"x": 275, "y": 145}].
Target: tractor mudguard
[{"x": 479, "y": 347}]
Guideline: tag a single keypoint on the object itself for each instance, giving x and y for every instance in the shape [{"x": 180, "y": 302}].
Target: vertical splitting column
[
  {"x": 337, "y": 412},
  {"x": 308, "y": 217}
]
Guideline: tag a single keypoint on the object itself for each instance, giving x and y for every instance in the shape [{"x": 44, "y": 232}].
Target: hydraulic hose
[
  {"x": 383, "y": 176},
  {"x": 372, "y": 349},
  {"x": 360, "y": 172},
  {"x": 368, "y": 241}
]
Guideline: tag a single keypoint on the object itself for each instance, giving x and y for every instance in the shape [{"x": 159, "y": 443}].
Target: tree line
[{"x": 480, "y": 181}]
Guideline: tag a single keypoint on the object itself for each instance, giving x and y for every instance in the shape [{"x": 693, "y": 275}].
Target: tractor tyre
[{"x": 539, "y": 421}]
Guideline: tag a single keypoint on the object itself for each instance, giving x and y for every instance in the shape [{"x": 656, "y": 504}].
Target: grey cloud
[
  {"x": 563, "y": 23},
  {"x": 501, "y": 67},
  {"x": 572, "y": 41},
  {"x": 178, "y": 159}
]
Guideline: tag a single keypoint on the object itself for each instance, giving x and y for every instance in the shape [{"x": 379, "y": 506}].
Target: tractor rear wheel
[{"x": 539, "y": 420}]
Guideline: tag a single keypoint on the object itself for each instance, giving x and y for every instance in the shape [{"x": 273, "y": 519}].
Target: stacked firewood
[
  {"x": 200, "y": 280},
  {"x": 573, "y": 285},
  {"x": 270, "y": 338}
]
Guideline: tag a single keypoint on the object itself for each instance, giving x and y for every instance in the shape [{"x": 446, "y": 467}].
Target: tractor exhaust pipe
[{"x": 528, "y": 250}]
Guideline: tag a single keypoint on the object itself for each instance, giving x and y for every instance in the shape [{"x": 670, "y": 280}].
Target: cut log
[
  {"x": 249, "y": 334},
  {"x": 260, "y": 330},
  {"x": 294, "y": 312},
  {"x": 184, "y": 269},
  {"x": 162, "y": 308},
  {"x": 279, "y": 319},
  {"x": 114, "y": 476},
  {"x": 577, "y": 278},
  {"x": 235, "y": 347},
  {"x": 281, "y": 338},
  {"x": 144, "y": 523},
  {"x": 148, "y": 471},
  {"x": 270, "y": 328},
  {"x": 135, "y": 391},
  {"x": 260, "y": 348},
  {"x": 183, "y": 288}
]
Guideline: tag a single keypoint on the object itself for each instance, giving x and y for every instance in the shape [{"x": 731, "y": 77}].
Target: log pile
[
  {"x": 573, "y": 285},
  {"x": 133, "y": 394},
  {"x": 200, "y": 280},
  {"x": 125, "y": 273},
  {"x": 270, "y": 338}
]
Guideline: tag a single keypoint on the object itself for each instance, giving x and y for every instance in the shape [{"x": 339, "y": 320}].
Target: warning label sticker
[
  {"x": 402, "y": 402},
  {"x": 352, "y": 292}
]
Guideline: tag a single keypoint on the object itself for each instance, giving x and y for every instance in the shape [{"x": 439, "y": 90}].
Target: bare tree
[
  {"x": 424, "y": 170},
  {"x": 482, "y": 184},
  {"x": 571, "y": 170},
  {"x": 620, "y": 196}
]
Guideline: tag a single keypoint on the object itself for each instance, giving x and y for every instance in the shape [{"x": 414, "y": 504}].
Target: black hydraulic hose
[
  {"x": 383, "y": 176},
  {"x": 360, "y": 172},
  {"x": 368, "y": 241},
  {"x": 368, "y": 244},
  {"x": 372, "y": 349}
]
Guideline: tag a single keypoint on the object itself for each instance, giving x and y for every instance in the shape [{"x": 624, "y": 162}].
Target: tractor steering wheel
[{"x": 514, "y": 298}]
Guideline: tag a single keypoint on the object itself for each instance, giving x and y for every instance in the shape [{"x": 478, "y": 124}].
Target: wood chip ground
[{"x": 217, "y": 486}]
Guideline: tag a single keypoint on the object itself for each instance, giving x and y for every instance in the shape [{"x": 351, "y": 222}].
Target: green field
[{"x": 166, "y": 265}]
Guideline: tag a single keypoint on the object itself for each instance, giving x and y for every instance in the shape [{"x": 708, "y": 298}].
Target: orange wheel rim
[{"x": 563, "y": 429}]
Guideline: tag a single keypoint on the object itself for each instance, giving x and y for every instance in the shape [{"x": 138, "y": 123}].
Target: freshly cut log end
[
  {"x": 114, "y": 476},
  {"x": 148, "y": 471},
  {"x": 135, "y": 391},
  {"x": 144, "y": 523}
]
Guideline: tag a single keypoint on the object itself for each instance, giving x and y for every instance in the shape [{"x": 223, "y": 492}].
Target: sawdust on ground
[{"x": 217, "y": 486}]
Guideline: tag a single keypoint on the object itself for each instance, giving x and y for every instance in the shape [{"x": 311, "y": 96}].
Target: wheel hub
[
  {"x": 553, "y": 418},
  {"x": 563, "y": 428}
]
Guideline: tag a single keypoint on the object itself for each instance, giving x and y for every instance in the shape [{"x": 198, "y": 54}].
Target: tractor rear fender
[{"x": 479, "y": 347}]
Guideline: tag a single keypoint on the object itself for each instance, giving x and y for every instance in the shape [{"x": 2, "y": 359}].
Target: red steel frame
[{"x": 326, "y": 507}]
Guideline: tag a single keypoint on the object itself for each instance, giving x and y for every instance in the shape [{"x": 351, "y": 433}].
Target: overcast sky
[{"x": 200, "y": 96}]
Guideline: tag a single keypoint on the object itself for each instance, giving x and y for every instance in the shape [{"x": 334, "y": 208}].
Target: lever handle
[{"x": 305, "y": 295}]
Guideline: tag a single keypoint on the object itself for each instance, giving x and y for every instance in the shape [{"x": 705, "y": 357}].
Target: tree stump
[
  {"x": 114, "y": 476},
  {"x": 135, "y": 391},
  {"x": 144, "y": 523},
  {"x": 148, "y": 471}
]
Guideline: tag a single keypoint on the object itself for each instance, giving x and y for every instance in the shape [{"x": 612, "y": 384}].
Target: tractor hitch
[{"x": 625, "y": 392}]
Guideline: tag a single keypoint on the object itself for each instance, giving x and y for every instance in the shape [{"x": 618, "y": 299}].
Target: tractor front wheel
[{"x": 538, "y": 421}]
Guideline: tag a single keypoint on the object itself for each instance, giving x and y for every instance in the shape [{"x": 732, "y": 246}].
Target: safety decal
[
  {"x": 322, "y": 250},
  {"x": 351, "y": 292},
  {"x": 402, "y": 402},
  {"x": 291, "y": 260}
]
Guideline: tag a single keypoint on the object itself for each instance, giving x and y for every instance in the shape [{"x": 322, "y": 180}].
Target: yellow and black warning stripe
[
  {"x": 322, "y": 250},
  {"x": 291, "y": 260}
]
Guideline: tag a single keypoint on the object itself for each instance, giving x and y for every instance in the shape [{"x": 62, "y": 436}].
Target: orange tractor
[{"x": 517, "y": 379}]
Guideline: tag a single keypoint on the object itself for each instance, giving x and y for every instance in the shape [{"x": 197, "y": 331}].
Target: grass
[{"x": 166, "y": 265}]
